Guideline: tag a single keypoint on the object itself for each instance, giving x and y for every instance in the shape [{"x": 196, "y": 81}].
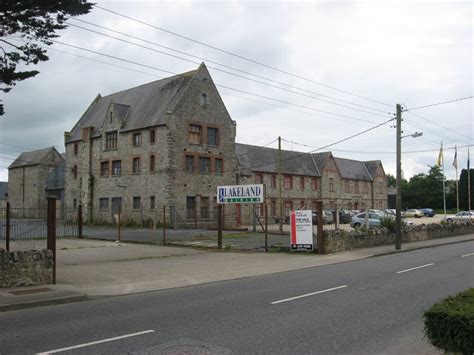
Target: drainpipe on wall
[{"x": 91, "y": 178}]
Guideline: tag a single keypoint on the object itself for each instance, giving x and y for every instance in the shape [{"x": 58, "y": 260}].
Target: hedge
[{"x": 449, "y": 325}]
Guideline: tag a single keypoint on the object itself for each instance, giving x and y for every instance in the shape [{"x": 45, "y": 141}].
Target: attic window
[
  {"x": 203, "y": 101},
  {"x": 111, "y": 117}
]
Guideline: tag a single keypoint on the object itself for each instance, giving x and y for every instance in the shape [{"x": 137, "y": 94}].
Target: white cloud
[{"x": 410, "y": 52}]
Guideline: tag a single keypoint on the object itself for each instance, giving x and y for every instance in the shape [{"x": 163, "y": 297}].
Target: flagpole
[
  {"x": 455, "y": 163},
  {"x": 468, "y": 183},
  {"x": 444, "y": 182}
]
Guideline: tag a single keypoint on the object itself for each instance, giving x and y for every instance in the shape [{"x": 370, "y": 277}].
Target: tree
[
  {"x": 391, "y": 181},
  {"x": 424, "y": 190},
  {"x": 30, "y": 22}
]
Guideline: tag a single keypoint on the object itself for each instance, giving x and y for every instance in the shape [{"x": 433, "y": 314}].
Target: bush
[
  {"x": 389, "y": 223},
  {"x": 449, "y": 325}
]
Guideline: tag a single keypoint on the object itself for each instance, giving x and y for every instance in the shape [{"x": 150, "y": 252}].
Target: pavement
[{"x": 91, "y": 269}]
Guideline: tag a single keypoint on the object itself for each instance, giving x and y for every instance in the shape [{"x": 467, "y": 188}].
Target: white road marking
[
  {"x": 97, "y": 342},
  {"x": 470, "y": 254},
  {"x": 309, "y": 294},
  {"x": 414, "y": 268}
]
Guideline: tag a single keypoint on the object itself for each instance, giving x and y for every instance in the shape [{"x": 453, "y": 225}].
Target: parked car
[
  {"x": 327, "y": 217},
  {"x": 390, "y": 211},
  {"x": 345, "y": 216},
  {"x": 428, "y": 212},
  {"x": 412, "y": 213},
  {"x": 373, "y": 220},
  {"x": 462, "y": 216}
]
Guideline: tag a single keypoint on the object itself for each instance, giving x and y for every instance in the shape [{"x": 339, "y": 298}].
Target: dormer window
[
  {"x": 110, "y": 117},
  {"x": 203, "y": 100}
]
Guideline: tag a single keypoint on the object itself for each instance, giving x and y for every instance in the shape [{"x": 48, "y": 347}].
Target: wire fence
[
  {"x": 28, "y": 227},
  {"x": 244, "y": 225}
]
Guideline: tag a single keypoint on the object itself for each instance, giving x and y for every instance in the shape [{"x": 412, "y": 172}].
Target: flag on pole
[
  {"x": 440, "y": 156},
  {"x": 455, "y": 161}
]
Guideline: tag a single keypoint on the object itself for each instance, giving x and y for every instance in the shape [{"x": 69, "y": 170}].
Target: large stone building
[
  {"x": 172, "y": 142},
  {"x": 27, "y": 177},
  {"x": 169, "y": 142},
  {"x": 308, "y": 178}
]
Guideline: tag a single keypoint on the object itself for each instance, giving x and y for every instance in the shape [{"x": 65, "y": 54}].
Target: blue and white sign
[{"x": 240, "y": 194}]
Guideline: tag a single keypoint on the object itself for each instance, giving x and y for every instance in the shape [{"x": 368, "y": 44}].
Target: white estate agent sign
[
  {"x": 240, "y": 194},
  {"x": 301, "y": 230}
]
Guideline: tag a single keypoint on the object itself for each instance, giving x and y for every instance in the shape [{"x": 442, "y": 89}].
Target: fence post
[
  {"x": 319, "y": 208},
  {"x": 336, "y": 217},
  {"x": 7, "y": 234},
  {"x": 164, "y": 224},
  {"x": 118, "y": 223},
  {"x": 219, "y": 226},
  {"x": 266, "y": 227},
  {"x": 195, "y": 216},
  {"x": 80, "y": 221},
  {"x": 51, "y": 227}
]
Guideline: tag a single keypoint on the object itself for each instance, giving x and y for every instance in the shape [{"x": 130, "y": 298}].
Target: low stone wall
[
  {"x": 340, "y": 240},
  {"x": 26, "y": 268}
]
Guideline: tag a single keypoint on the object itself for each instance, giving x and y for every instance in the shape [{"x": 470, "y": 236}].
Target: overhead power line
[
  {"x": 234, "y": 74},
  {"x": 217, "y": 63},
  {"x": 218, "y": 85},
  {"x": 222, "y": 92},
  {"x": 240, "y": 56},
  {"x": 242, "y": 91},
  {"x": 382, "y": 152},
  {"x": 433, "y": 132},
  {"x": 439, "y": 103},
  {"x": 430, "y": 120}
]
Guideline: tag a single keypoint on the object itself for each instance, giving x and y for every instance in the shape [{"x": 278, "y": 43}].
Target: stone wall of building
[
  {"x": 26, "y": 188},
  {"x": 202, "y": 106},
  {"x": 340, "y": 240},
  {"x": 26, "y": 268}
]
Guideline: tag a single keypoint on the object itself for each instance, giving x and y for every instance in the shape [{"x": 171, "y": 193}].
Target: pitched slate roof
[
  {"x": 262, "y": 159},
  {"x": 321, "y": 159},
  {"x": 254, "y": 158},
  {"x": 30, "y": 158},
  {"x": 352, "y": 169},
  {"x": 140, "y": 107},
  {"x": 372, "y": 166}
]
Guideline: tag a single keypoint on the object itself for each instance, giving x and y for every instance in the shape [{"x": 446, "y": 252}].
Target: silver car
[{"x": 373, "y": 220}]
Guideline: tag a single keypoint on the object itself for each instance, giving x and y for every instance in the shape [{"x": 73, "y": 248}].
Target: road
[{"x": 370, "y": 306}]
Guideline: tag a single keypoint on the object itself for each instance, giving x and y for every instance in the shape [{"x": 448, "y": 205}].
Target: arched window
[{"x": 110, "y": 119}]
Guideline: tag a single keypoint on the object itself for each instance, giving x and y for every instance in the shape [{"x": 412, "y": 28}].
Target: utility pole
[
  {"x": 398, "y": 215},
  {"x": 280, "y": 202}
]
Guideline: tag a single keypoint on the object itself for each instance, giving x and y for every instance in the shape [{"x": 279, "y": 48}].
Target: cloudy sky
[{"x": 342, "y": 66}]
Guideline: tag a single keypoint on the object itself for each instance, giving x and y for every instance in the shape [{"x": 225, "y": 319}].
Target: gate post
[
  {"x": 319, "y": 208},
  {"x": 164, "y": 224},
  {"x": 79, "y": 220},
  {"x": 266, "y": 226},
  {"x": 219, "y": 226},
  {"x": 51, "y": 227},
  {"x": 7, "y": 234}
]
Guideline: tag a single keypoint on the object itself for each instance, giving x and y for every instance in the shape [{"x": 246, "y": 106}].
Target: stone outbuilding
[
  {"x": 3, "y": 194},
  {"x": 27, "y": 177}
]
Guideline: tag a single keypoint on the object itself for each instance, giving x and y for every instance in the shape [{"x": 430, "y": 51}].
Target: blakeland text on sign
[{"x": 241, "y": 194}]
